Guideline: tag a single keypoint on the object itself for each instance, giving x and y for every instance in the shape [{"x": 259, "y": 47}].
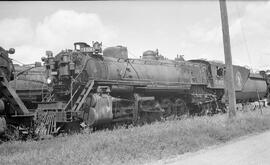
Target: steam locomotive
[
  {"x": 94, "y": 87},
  {"x": 103, "y": 88}
]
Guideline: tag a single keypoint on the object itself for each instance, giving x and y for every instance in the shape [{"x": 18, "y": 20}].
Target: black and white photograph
[{"x": 146, "y": 82}]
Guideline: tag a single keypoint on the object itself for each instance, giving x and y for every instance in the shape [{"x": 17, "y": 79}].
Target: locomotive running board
[{"x": 87, "y": 88}]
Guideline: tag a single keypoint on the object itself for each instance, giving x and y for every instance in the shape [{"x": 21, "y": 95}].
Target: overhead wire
[
  {"x": 244, "y": 35},
  {"x": 246, "y": 45},
  {"x": 17, "y": 61},
  {"x": 132, "y": 54}
]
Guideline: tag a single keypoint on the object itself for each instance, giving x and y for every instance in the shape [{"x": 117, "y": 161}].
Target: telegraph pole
[{"x": 229, "y": 77}]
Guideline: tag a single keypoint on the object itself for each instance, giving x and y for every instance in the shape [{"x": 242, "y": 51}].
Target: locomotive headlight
[{"x": 49, "y": 80}]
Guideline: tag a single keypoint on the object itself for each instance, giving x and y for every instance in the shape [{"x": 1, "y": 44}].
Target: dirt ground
[{"x": 251, "y": 150}]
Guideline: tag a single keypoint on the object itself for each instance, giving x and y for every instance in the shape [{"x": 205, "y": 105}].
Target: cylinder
[{"x": 98, "y": 109}]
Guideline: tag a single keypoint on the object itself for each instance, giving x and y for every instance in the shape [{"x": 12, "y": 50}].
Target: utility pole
[{"x": 229, "y": 77}]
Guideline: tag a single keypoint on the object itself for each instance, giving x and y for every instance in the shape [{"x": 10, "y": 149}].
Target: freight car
[
  {"x": 15, "y": 118},
  {"x": 30, "y": 84}
]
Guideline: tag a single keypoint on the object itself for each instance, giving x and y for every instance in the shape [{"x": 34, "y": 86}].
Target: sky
[{"x": 189, "y": 28}]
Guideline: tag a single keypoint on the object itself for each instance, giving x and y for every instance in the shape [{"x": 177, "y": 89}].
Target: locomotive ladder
[
  {"x": 87, "y": 88},
  {"x": 48, "y": 97},
  {"x": 10, "y": 94}
]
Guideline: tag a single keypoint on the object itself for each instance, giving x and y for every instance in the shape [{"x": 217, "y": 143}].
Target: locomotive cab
[{"x": 248, "y": 86}]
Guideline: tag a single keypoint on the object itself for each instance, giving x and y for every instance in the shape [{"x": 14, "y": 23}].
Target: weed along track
[{"x": 136, "y": 145}]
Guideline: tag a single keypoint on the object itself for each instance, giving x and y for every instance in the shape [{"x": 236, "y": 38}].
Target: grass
[{"x": 136, "y": 145}]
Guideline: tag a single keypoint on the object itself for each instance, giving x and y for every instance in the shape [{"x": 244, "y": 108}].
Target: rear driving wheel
[{"x": 166, "y": 104}]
